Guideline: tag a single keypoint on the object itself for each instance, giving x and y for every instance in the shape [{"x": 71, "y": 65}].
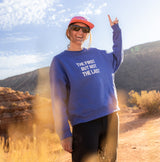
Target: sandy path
[{"x": 139, "y": 139}]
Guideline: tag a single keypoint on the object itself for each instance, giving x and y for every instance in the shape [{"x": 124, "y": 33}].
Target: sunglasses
[{"x": 77, "y": 28}]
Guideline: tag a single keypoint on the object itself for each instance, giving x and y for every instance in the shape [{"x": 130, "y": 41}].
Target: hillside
[
  {"x": 24, "y": 82},
  {"x": 139, "y": 71},
  {"x": 34, "y": 82}
]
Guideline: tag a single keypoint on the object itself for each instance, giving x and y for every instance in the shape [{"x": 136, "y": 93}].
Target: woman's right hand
[
  {"x": 112, "y": 22},
  {"x": 67, "y": 144}
]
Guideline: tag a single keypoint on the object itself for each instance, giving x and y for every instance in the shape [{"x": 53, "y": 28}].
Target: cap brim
[{"x": 91, "y": 26}]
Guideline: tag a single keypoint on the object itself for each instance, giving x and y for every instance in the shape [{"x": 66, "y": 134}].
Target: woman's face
[{"x": 78, "y": 37}]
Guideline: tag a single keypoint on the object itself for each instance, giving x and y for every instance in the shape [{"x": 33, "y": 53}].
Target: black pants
[{"x": 96, "y": 140}]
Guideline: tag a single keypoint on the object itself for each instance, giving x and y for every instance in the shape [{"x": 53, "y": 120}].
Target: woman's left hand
[
  {"x": 113, "y": 22},
  {"x": 67, "y": 144}
]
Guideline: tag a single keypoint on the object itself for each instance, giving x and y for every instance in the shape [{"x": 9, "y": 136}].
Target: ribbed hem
[{"x": 95, "y": 115}]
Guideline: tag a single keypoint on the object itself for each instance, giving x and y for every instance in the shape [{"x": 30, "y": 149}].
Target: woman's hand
[
  {"x": 67, "y": 144},
  {"x": 112, "y": 22}
]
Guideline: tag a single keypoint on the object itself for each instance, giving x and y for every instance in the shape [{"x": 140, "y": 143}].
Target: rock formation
[{"x": 15, "y": 106}]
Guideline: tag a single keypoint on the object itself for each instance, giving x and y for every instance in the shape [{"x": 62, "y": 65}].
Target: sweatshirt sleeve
[
  {"x": 117, "y": 47},
  {"x": 58, "y": 84}
]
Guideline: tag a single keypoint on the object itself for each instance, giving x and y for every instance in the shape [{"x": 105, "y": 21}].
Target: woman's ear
[{"x": 67, "y": 34}]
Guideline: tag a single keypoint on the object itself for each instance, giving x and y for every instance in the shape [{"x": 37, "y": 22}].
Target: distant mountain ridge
[
  {"x": 23, "y": 82},
  {"x": 35, "y": 82},
  {"x": 139, "y": 71}
]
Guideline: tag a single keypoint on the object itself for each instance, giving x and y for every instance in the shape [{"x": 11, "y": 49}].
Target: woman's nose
[{"x": 80, "y": 31}]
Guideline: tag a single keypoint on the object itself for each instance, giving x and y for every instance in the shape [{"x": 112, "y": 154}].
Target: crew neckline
[{"x": 76, "y": 52}]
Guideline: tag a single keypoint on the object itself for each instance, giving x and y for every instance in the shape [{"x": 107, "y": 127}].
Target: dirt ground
[{"x": 139, "y": 138}]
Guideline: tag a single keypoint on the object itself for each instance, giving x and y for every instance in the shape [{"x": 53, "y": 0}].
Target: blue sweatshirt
[{"x": 82, "y": 84}]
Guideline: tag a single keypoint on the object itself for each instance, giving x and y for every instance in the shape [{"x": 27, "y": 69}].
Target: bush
[
  {"x": 133, "y": 98},
  {"x": 27, "y": 93},
  {"x": 147, "y": 101}
]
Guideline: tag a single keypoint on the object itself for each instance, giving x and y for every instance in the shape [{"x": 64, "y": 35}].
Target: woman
[{"x": 83, "y": 92}]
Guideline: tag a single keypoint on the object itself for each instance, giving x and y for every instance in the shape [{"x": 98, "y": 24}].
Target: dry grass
[{"x": 33, "y": 148}]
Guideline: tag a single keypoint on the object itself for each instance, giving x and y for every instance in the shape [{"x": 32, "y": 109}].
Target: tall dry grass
[
  {"x": 36, "y": 147},
  {"x": 37, "y": 142}
]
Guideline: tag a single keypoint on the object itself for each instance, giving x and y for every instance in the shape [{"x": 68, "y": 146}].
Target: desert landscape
[{"x": 35, "y": 139}]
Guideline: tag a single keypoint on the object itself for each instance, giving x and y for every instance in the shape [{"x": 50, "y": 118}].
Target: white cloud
[
  {"x": 62, "y": 11},
  {"x": 15, "y": 37},
  {"x": 12, "y": 64},
  {"x": 88, "y": 10},
  {"x": 15, "y": 12},
  {"x": 60, "y": 5},
  {"x": 98, "y": 10},
  {"x": 48, "y": 12},
  {"x": 22, "y": 58},
  {"x": 53, "y": 17},
  {"x": 16, "y": 61}
]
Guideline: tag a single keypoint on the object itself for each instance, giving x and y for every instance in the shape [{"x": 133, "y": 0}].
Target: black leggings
[{"x": 96, "y": 139}]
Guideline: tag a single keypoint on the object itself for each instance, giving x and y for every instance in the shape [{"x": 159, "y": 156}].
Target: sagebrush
[{"x": 147, "y": 101}]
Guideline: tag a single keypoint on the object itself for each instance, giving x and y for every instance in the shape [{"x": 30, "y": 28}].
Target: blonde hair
[
  {"x": 90, "y": 40},
  {"x": 90, "y": 37}
]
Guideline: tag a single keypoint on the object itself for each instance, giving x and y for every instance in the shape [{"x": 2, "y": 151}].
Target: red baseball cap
[{"x": 82, "y": 20}]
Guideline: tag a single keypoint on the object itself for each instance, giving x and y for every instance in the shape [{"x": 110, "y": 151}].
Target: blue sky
[{"x": 32, "y": 32}]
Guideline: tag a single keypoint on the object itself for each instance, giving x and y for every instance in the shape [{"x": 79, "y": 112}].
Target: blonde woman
[{"x": 83, "y": 93}]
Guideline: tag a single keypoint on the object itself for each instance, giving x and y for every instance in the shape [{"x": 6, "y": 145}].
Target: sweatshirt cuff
[
  {"x": 116, "y": 27},
  {"x": 66, "y": 134}
]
